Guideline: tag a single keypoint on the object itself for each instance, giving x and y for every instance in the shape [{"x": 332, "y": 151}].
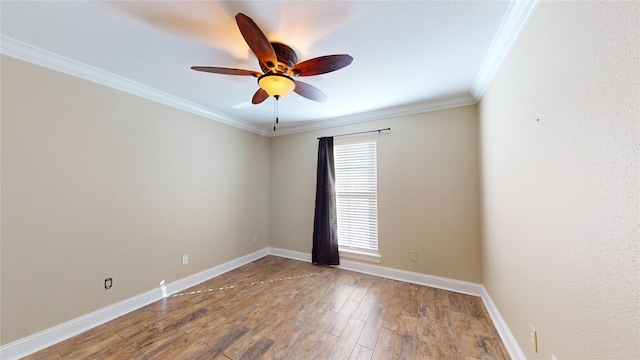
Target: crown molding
[
  {"x": 516, "y": 17},
  {"x": 431, "y": 105},
  {"x": 37, "y": 56}
]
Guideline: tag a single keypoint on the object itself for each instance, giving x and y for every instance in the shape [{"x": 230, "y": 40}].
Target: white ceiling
[{"x": 409, "y": 56}]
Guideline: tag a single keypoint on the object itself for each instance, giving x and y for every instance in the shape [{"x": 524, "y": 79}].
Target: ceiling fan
[{"x": 279, "y": 64}]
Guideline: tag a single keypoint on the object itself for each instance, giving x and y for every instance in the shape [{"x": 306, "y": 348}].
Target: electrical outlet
[
  {"x": 553, "y": 357},
  {"x": 255, "y": 239},
  {"x": 533, "y": 337},
  {"x": 185, "y": 260},
  {"x": 413, "y": 255},
  {"x": 108, "y": 282}
]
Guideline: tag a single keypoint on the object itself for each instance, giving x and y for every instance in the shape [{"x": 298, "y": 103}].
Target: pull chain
[{"x": 275, "y": 112}]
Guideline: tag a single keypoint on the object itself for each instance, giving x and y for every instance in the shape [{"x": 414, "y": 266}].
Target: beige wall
[
  {"x": 98, "y": 183},
  {"x": 561, "y": 195},
  {"x": 427, "y": 186}
]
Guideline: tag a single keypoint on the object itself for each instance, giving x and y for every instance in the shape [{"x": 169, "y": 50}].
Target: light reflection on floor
[{"x": 231, "y": 286}]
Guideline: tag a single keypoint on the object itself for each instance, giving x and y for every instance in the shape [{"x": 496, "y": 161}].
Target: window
[{"x": 357, "y": 197}]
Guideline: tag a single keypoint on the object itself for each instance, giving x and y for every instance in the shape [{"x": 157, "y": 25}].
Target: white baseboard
[
  {"x": 391, "y": 273},
  {"x": 58, "y": 333},
  {"x": 290, "y": 254},
  {"x": 458, "y": 286},
  {"x": 501, "y": 326}
]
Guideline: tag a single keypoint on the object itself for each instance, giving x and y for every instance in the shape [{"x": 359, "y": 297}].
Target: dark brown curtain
[{"x": 325, "y": 224}]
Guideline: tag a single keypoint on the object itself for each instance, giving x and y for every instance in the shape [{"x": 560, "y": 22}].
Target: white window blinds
[{"x": 356, "y": 194}]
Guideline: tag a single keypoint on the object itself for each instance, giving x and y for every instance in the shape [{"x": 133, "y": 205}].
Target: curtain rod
[{"x": 361, "y": 132}]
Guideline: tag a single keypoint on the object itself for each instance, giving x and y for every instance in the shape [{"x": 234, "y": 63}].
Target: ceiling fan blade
[
  {"x": 226, "y": 71},
  {"x": 309, "y": 91},
  {"x": 259, "y": 96},
  {"x": 321, "y": 65},
  {"x": 257, "y": 41}
]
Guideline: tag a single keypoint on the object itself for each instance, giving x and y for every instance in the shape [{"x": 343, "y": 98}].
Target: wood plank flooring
[{"x": 276, "y": 308}]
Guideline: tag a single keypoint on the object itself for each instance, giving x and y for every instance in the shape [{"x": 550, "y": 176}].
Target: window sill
[{"x": 359, "y": 255}]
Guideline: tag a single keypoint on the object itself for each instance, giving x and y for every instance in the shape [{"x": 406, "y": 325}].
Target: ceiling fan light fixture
[{"x": 276, "y": 85}]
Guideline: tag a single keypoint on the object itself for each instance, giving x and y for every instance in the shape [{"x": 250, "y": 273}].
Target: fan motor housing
[{"x": 287, "y": 58}]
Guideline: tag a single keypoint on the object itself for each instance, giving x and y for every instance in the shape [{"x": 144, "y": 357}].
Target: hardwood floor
[{"x": 276, "y": 308}]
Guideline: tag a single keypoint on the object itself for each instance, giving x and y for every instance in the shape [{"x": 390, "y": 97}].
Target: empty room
[{"x": 320, "y": 180}]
